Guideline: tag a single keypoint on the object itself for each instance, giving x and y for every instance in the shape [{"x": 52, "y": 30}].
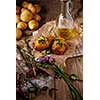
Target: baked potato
[
  {"x": 17, "y": 18},
  {"x": 42, "y": 42},
  {"x": 26, "y": 15},
  {"x": 22, "y": 25},
  {"x": 33, "y": 24},
  {"x": 59, "y": 46},
  {"x": 32, "y": 8},
  {"x": 18, "y": 33}
]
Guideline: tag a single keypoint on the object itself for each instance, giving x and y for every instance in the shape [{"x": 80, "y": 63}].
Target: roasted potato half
[
  {"x": 59, "y": 46},
  {"x": 42, "y": 42}
]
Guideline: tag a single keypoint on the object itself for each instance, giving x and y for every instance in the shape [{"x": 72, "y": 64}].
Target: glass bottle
[{"x": 64, "y": 22}]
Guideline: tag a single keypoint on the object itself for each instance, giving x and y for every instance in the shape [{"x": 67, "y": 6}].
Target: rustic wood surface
[{"x": 50, "y": 10}]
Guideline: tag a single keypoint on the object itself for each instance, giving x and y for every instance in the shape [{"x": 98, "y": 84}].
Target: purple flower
[
  {"x": 40, "y": 59},
  {"x": 43, "y": 59},
  {"x": 51, "y": 60},
  {"x": 47, "y": 58}
]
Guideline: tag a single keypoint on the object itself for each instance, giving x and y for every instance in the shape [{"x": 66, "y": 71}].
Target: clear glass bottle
[{"x": 64, "y": 22}]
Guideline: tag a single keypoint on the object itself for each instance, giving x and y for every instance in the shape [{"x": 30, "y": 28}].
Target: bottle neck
[
  {"x": 65, "y": 16},
  {"x": 64, "y": 8}
]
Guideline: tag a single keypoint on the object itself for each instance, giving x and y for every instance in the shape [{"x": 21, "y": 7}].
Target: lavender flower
[
  {"x": 40, "y": 59},
  {"x": 46, "y": 59},
  {"x": 51, "y": 60}
]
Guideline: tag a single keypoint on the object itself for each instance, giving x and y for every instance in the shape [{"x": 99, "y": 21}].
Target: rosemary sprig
[
  {"x": 41, "y": 41},
  {"x": 59, "y": 42}
]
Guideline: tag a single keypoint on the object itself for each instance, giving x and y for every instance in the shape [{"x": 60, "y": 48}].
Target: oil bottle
[{"x": 64, "y": 22}]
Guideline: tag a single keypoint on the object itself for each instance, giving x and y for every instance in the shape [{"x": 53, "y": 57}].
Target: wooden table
[{"x": 74, "y": 64}]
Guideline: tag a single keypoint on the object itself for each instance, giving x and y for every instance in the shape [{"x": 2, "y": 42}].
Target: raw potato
[
  {"x": 18, "y": 10},
  {"x": 58, "y": 46},
  {"x": 33, "y": 24},
  {"x": 26, "y": 15},
  {"x": 18, "y": 33},
  {"x": 23, "y": 9},
  {"x": 25, "y": 4},
  {"x": 32, "y": 8},
  {"x": 38, "y": 8},
  {"x": 17, "y": 18},
  {"x": 22, "y": 25},
  {"x": 37, "y": 17}
]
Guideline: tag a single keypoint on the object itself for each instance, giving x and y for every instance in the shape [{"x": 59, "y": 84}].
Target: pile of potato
[{"x": 27, "y": 17}]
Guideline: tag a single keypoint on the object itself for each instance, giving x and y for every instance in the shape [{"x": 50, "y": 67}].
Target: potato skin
[
  {"x": 25, "y": 4},
  {"x": 58, "y": 46},
  {"x": 26, "y": 15},
  {"x": 17, "y": 18},
  {"x": 18, "y": 34},
  {"x": 33, "y": 24},
  {"x": 37, "y": 17},
  {"x": 18, "y": 10},
  {"x": 23, "y": 9},
  {"x": 31, "y": 8},
  {"x": 22, "y": 25},
  {"x": 38, "y": 8}
]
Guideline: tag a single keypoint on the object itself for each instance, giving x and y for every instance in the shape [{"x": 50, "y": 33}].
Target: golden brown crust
[
  {"x": 58, "y": 46},
  {"x": 43, "y": 42}
]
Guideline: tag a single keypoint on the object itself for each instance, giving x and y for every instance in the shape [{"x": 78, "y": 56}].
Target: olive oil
[
  {"x": 65, "y": 33},
  {"x": 64, "y": 22}
]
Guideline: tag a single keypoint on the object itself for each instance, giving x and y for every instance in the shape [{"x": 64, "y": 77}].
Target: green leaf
[{"x": 73, "y": 77}]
